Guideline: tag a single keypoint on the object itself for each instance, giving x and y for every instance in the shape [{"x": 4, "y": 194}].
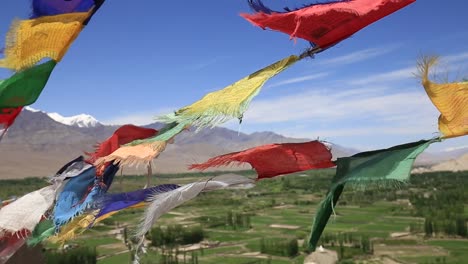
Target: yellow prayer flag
[
  {"x": 451, "y": 99},
  {"x": 230, "y": 102},
  {"x": 74, "y": 228},
  {"x": 30, "y": 41}
]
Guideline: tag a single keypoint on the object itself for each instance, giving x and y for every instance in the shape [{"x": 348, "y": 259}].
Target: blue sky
[{"x": 134, "y": 61}]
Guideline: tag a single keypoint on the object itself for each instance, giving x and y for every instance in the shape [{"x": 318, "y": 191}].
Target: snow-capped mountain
[{"x": 81, "y": 120}]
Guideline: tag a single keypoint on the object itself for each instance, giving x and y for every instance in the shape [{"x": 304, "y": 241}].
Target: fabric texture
[
  {"x": 9, "y": 244},
  {"x": 276, "y": 159},
  {"x": 451, "y": 99},
  {"x": 231, "y": 102},
  {"x": 42, "y": 231},
  {"x": 134, "y": 155},
  {"x": 26, "y": 212},
  {"x": 8, "y": 116},
  {"x": 67, "y": 165},
  {"x": 42, "y": 8},
  {"x": 143, "y": 151},
  {"x": 163, "y": 203},
  {"x": 325, "y": 24},
  {"x": 123, "y": 135},
  {"x": 74, "y": 192},
  {"x": 80, "y": 192},
  {"x": 387, "y": 168},
  {"x": 24, "y": 88},
  {"x": 167, "y": 133},
  {"x": 75, "y": 227},
  {"x": 30, "y": 41},
  {"x": 113, "y": 203}
]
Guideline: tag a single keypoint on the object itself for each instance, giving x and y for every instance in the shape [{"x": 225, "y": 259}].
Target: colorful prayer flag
[
  {"x": 276, "y": 159},
  {"x": 324, "y": 24},
  {"x": 123, "y": 135},
  {"x": 8, "y": 116},
  {"x": 164, "y": 202},
  {"x": 113, "y": 203},
  {"x": 24, "y": 87},
  {"x": 30, "y": 41},
  {"x": 451, "y": 99},
  {"x": 230, "y": 102},
  {"x": 41, "y": 8},
  {"x": 385, "y": 167},
  {"x": 26, "y": 212}
]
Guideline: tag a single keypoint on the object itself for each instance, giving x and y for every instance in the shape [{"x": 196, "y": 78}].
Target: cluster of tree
[
  {"x": 237, "y": 220},
  {"x": 174, "y": 235},
  {"x": 442, "y": 204},
  {"x": 173, "y": 256},
  {"x": 232, "y": 220},
  {"x": 450, "y": 226},
  {"x": 81, "y": 255},
  {"x": 12, "y": 188},
  {"x": 353, "y": 240},
  {"x": 283, "y": 247}
]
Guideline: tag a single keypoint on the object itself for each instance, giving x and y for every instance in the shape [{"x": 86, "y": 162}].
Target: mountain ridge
[{"x": 37, "y": 145}]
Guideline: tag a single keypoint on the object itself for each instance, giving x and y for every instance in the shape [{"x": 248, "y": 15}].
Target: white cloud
[
  {"x": 138, "y": 118},
  {"x": 355, "y": 112},
  {"x": 300, "y": 79},
  {"x": 391, "y": 76},
  {"x": 455, "y": 60},
  {"x": 356, "y": 56},
  {"x": 332, "y": 105},
  {"x": 456, "y": 148}
]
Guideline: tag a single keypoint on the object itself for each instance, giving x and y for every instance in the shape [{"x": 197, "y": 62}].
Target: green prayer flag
[
  {"x": 385, "y": 167},
  {"x": 42, "y": 231},
  {"x": 24, "y": 87},
  {"x": 167, "y": 132}
]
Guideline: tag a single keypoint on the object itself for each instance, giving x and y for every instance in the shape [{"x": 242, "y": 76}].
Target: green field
[{"x": 282, "y": 209}]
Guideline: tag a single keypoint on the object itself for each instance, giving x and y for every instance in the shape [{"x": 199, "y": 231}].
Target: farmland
[{"x": 270, "y": 222}]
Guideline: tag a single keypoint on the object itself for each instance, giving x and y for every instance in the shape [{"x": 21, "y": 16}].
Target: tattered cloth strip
[
  {"x": 9, "y": 244},
  {"x": 113, "y": 203},
  {"x": 231, "y": 102},
  {"x": 68, "y": 166},
  {"x": 106, "y": 206},
  {"x": 386, "y": 168},
  {"x": 42, "y": 8},
  {"x": 30, "y": 41},
  {"x": 143, "y": 151},
  {"x": 24, "y": 88},
  {"x": 79, "y": 193},
  {"x": 134, "y": 155},
  {"x": 74, "y": 192},
  {"x": 123, "y": 135},
  {"x": 324, "y": 24},
  {"x": 7, "y": 202},
  {"x": 276, "y": 159},
  {"x": 8, "y": 116},
  {"x": 72, "y": 169},
  {"x": 451, "y": 99},
  {"x": 72, "y": 229},
  {"x": 42, "y": 231},
  {"x": 26, "y": 212},
  {"x": 163, "y": 203},
  {"x": 166, "y": 133}
]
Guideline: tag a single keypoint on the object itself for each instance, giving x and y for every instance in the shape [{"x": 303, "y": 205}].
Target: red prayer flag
[
  {"x": 123, "y": 135},
  {"x": 276, "y": 159},
  {"x": 8, "y": 116},
  {"x": 324, "y": 24},
  {"x": 10, "y": 243}
]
